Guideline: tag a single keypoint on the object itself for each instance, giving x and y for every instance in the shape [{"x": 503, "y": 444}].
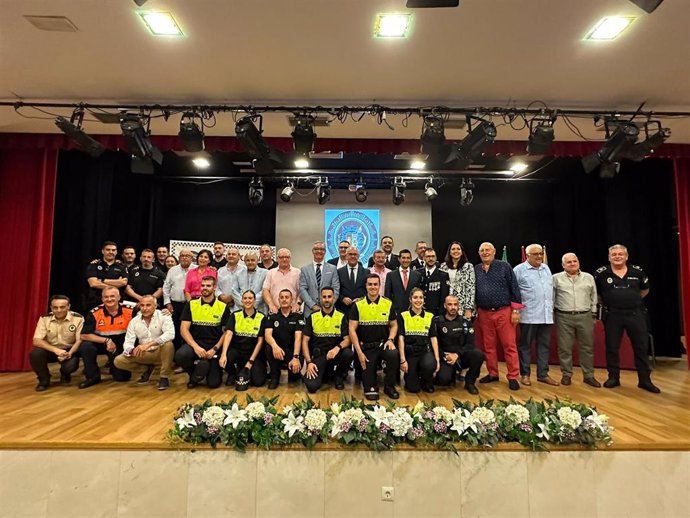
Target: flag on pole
[
  {"x": 504, "y": 257},
  {"x": 524, "y": 254},
  {"x": 544, "y": 248}
]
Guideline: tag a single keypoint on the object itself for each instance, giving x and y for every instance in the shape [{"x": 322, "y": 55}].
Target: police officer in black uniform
[
  {"x": 456, "y": 346},
  {"x": 283, "y": 337},
  {"x": 103, "y": 273},
  {"x": 145, "y": 279},
  {"x": 621, "y": 288},
  {"x": 435, "y": 283}
]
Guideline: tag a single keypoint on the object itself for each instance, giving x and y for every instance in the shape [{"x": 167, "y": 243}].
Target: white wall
[{"x": 301, "y": 221}]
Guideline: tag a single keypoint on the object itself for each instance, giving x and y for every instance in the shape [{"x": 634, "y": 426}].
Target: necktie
[
  {"x": 404, "y": 272},
  {"x": 352, "y": 275},
  {"x": 318, "y": 275}
]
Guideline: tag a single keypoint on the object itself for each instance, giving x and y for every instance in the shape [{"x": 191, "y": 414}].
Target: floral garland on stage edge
[{"x": 533, "y": 424}]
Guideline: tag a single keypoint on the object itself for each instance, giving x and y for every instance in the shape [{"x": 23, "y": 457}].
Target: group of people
[{"x": 252, "y": 317}]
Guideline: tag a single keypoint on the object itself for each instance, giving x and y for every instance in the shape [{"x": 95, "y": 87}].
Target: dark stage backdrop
[
  {"x": 99, "y": 199},
  {"x": 573, "y": 212}
]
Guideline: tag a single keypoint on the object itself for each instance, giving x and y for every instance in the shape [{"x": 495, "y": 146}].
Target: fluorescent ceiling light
[
  {"x": 392, "y": 25},
  {"x": 609, "y": 28},
  {"x": 201, "y": 163},
  {"x": 161, "y": 24}
]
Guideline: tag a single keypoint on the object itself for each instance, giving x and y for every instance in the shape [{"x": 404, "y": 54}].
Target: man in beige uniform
[{"x": 56, "y": 339}]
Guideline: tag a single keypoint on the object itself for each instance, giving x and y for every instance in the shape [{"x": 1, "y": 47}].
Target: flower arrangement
[{"x": 533, "y": 424}]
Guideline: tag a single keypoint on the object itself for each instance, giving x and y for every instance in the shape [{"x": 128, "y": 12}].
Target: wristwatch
[{"x": 295, "y": 356}]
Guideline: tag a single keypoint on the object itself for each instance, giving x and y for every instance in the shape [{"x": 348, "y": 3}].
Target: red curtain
[
  {"x": 27, "y": 198},
  {"x": 682, "y": 177}
]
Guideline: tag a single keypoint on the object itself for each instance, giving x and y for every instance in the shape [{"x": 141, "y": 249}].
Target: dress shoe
[
  {"x": 592, "y": 382},
  {"x": 488, "y": 379},
  {"x": 163, "y": 384},
  {"x": 146, "y": 375},
  {"x": 612, "y": 382},
  {"x": 525, "y": 381},
  {"x": 394, "y": 394},
  {"x": 42, "y": 386},
  {"x": 372, "y": 394},
  {"x": 649, "y": 387},
  {"x": 513, "y": 385},
  {"x": 65, "y": 378},
  {"x": 90, "y": 382},
  {"x": 273, "y": 383},
  {"x": 471, "y": 388},
  {"x": 230, "y": 381},
  {"x": 548, "y": 380},
  {"x": 191, "y": 384},
  {"x": 566, "y": 380},
  {"x": 339, "y": 384}
]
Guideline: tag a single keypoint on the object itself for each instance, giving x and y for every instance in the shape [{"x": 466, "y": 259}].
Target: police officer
[
  {"x": 201, "y": 328},
  {"x": 456, "y": 346},
  {"x": 283, "y": 337},
  {"x": 418, "y": 346},
  {"x": 104, "y": 333},
  {"x": 56, "y": 339},
  {"x": 326, "y": 345},
  {"x": 145, "y": 279},
  {"x": 621, "y": 288},
  {"x": 373, "y": 328},
  {"x": 243, "y": 342},
  {"x": 103, "y": 273},
  {"x": 435, "y": 283}
]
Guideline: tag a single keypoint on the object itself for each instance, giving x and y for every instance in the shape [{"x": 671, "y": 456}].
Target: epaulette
[
  {"x": 602, "y": 269},
  {"x": 75, "y": 314},
  {"x": 636, "y": 267}
]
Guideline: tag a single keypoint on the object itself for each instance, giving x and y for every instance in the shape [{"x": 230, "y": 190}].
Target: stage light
[
  {"x": 620, "y": 142},
  {"x": 250, "y": 138},
  {"x": 473, "y": 145},
  {"x": 647, "y": 5},
  {"x": 541, "y": 135},
  {"x": 466, "y": 192},
  {"x": 361, "y": 193},
  {"x": 653, "y": 139},
  {"x": 398, "y": 190},
  {"x": 610, "y": 28},
  {"x": 287, "y": 192},
  {"x": 301, "y": 163},
  {"x": 430, "y": 191},
  {"x": 140, "y": 3},
  {"x": 191, "y": 135},
  {"x": 303, "y": 135},
  {"x": 518, "y": 167},
  {"x": 201, "y": 162},
  {"x": 433, "y": 135},
  {"x": 323, "y": 191},
  {"x": 137, "y": 139},
  {"x": 417, "y": 165},
  {"x": 72, "y": 128},
  {"x": 256, "y": 191},
  {"x": 161, "y": 24},
  {"x": 392, "y": 25}
]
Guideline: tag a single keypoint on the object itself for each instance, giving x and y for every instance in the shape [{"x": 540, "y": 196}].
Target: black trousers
[
  {"x": 89, "y": 351},
  {"x": 471, "y": 359},
  {"x": 421, "y": 365},
  {"x": 40, "y": 358},
  {"x": 276, "y": 365},
  {"x": 237, "y": 358},
  {"x": 177, "y": 313},
  {"x": 390, "y": 371},
  {"x": 338, "y": 365},
  {"x": 186, "y": 358},
  {"x": 634, "y": 322}
]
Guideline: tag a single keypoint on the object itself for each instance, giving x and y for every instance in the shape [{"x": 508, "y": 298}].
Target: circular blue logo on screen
[{"x": 357, "y": 228}]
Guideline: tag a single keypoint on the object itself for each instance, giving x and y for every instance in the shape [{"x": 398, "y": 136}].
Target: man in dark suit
[
  {"x": 392, "y": 261},
  {"x": 435, "y": 283},
  {"x": 353, "y": 281},
  {"x": 418, "y": 262},
  {"x": 341, "y": 260},
  {"x": 399, "y": 283}
]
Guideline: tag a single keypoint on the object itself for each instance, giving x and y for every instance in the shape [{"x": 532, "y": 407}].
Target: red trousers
[{"x": 495, "y": 327}]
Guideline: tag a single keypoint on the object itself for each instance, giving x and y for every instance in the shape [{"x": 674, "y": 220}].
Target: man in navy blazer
[
  {"x": 350, "y": 291},
  {"x": 395, "y": 288},
  {"x": 250, "y": 278},
  {"x": 341, "y": 260},
  {"x": 319, "y": 274},
  {"x": 392, "y": 261}
]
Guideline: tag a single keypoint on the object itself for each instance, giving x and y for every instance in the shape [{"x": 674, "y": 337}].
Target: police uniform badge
[
  {"x": 609, "y": 280},
  {"x": 100, "y": 267},
  {"x": 72, "y": 328},
  {"x": 301, "y": 322},
  {"x": 136, "y": 274},
  {"x": 101, "y": 322},
  {"x": 276, "y": 324},
  {"x": 444, "y": 329}
]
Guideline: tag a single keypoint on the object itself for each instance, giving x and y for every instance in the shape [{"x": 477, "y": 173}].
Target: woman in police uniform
[{"x": 419, "y": 358}]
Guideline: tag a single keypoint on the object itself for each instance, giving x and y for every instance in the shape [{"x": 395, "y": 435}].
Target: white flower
[
  {"x": 256, "y": 410},
  {"x": 463, "y": 421},
  {"x": 315, "y": 419},
  {"x": 292, "y": 424},
  {"x": 338, "y": 421},
  {"x": 234, "y": 416},
  {"x": 354, "y": 415},
  {"x": 213, "y": 416},
  {"x": 187, "y": 420},
  {"x": 335, "y": 408},
  {"x": 518, "y": 414},
  {"x": 418, "y": 408},
  {"x": 400, "y": 422},
  {"x": 544, "y": 434},
  {"x": 483, "y": 415},
  {"x": 599, "y": 421},
  {"x": 380, "y": 415},
  {"x": 287, "y": 409},
  {"x": 569, "y": 417},
  {"x": 441, "y": 413}
]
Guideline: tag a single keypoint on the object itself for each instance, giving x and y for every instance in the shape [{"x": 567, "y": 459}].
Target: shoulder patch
[{"x": 75, "y": 314}]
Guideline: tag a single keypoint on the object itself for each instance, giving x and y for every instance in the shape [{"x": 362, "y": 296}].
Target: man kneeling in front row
[{"x": 154, "y": 333}]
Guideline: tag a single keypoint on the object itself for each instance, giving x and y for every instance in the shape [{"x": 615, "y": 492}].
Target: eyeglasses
[
  {"x": 283, "y": 257},
  {"x": 537, "y": 253}
]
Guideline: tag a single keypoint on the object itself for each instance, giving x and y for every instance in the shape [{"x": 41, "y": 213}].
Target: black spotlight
[
  {"x": 361, "y": 193},
  {"x": 287, "y": 192},
  {"x": 137, "y": 139},
  {"x": 303, "y": 135},
  {"x": 398, "y": 190},
  {"x": 541, "y": 135},
  {"x": 473, "y": 145},
  {"x": 615, "y": 148},
  {"x": 72, "y": 128},
  {"x": 191, "y": 134},
  {"x": 433, "y": 135},
  {"x": 256, "y": 191},
  {"x": 647, "y": 5},
  {"x": 323, "y": 191},
  {"x": 655, "y": 135},
  {"x": 430, "y": 191},
  {"x": 466, "y": 192},
  {"x": 250, "y": 138}
]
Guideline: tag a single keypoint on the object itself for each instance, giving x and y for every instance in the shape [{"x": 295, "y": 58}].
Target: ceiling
[{"x": 483, "y": 53}]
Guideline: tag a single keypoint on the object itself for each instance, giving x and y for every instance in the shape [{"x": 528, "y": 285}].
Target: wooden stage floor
[{"x": 127, "y": 416}]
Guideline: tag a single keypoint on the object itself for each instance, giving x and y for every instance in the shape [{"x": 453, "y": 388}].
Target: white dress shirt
[{"x": 160, "y": 330}]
